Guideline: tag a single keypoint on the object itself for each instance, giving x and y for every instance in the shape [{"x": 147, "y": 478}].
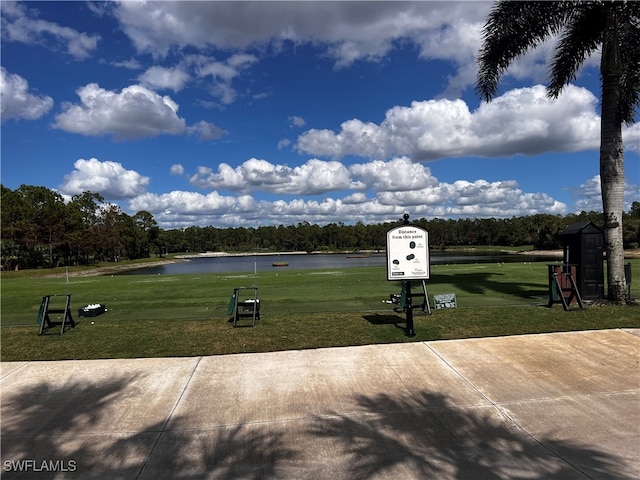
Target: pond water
[{"x": 251, "y": 263}]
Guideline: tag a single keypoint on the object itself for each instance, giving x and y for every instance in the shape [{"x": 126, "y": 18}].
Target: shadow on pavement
[
  {"x": 52, "y": 427},
  {"x": 425, "y": 436}
]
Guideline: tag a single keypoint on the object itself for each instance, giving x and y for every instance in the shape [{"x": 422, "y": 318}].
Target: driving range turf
[{"x": 186, "y": 314}]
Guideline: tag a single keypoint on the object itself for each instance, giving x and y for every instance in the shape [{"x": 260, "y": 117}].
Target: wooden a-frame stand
[
  {"x": 246, "y": 308},
  {"x": 45, "y": 309},
  {"x": 402, "y": 299},
  {"x": 425, "y": 303},
  {"x": 564, "y": 283}
]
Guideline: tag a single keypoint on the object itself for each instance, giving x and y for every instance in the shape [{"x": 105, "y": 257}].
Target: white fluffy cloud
[
  {"x": 17, "y": 102},
  {"x": 371, "y": 192},
  {"x": 478, "y": 198},
  {"x": 179, "y": 209},
  {"x": 316, "y": 177},
  {"x": 377, "y": 191},
  {"x": 176, "y": 169},
  {"x": 284, "y": 143},
  {"x": 109, "y": 179},
  {"x": 136, "y": 112},
  {"x": 222, "y": 73},
  {"x": 297, "y": 121},
  {"x": 522, "y": 121},
  {"x": 349, "y": 31},
  {"x": 185, "y": 203},
  {"x": 367, "y": 28},
  {"x": 588, "y": 195},
  {"x": 631, "y": 137},
  {"x": 313, "y": 177},
  {"x": 395, "y": 175},
  {"x": 161, "y": 78},
  {"x": 206, "y": 131},
  {"x": 182, "y": 209},
  {"x": 226, "y": 70},
  {"x": 20, "y": 24}
]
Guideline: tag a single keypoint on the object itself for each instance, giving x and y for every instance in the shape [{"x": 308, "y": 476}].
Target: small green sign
[{"x": 445, "y": 300}]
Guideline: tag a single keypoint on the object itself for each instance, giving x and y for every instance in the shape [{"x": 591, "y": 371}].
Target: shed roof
[{"x": 580, "y": 227}]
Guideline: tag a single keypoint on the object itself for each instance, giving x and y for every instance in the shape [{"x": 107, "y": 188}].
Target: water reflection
[{"x": 251, "y": 263}]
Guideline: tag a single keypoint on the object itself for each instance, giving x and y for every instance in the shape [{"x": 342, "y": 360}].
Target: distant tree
[
  {"x": 82, "y": 216},
  {"x": 514, "y": 27},
  {"x": 147, "y": 235},
  {"x": 632, "y": 226},
  {"x": 13, "y": 210},
  {"x": 40, "y": 227}
]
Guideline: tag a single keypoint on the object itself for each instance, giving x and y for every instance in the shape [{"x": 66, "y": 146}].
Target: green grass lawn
[{"x": 185, "y": 315}]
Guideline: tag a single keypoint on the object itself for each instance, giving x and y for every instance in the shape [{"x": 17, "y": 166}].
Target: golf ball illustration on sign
[{"x": 407, "y": 251}]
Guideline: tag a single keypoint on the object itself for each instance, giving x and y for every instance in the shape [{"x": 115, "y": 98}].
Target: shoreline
[
  {"x": 547, "y": 253},
  {"x": 628, "y": 254},
  {"x": 111, "y": 269},
  {"x": 241, "y": 254}
]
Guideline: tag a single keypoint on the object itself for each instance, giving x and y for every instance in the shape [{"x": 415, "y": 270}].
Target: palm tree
[{"x": 582, "y": 27}]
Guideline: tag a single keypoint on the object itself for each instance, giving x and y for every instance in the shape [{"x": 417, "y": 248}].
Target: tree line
[{"x": 40, "y": 229}]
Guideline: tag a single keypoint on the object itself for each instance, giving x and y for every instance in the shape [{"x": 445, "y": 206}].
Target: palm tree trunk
[{"x": 612, "y": 166}]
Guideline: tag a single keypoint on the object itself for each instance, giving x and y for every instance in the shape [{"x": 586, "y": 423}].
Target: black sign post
[
  {"x": 409, "y": 306},
  {"x": 407, "y": 260}
]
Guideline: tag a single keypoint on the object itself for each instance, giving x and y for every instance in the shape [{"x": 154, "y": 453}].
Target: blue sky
[{"x": 269, "y": 113}]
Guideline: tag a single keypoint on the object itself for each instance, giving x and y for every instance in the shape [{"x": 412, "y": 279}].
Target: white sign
[
  {"x": 445, "y": 300},
  {"x": 407, "y": 253}
]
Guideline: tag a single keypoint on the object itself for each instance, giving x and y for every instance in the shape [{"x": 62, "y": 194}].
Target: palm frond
[
  {"x": 629, "y": 35},
  {"x": 581, "y": 37},
  {"x": 512, "y": 29}
]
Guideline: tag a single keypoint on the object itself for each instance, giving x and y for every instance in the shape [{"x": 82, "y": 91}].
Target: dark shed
[{"x": 584, "y": 248}]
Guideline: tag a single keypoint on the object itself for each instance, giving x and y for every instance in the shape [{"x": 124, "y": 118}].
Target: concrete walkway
[{"x": 552, "y": 406}]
